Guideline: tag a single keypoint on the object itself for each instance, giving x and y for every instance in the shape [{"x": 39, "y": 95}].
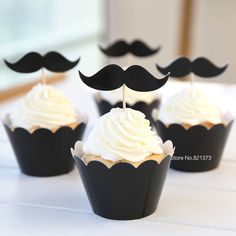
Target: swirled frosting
[
  {"x": 43, "y": 107},
  {"x": 131, "y": 96},
  {"x": 190, "y": 106},
  {"x": 122, "y": 135}
]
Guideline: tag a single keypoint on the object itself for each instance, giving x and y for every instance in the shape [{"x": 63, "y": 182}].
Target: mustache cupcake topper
[
  {"x": 113, "y": 77},
  {"x": 201, "y": 66},
  {"x": 33, "y": 61},
  {"x": 121, "y": 47}
]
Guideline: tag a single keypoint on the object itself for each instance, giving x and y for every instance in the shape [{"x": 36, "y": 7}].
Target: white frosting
[
  {"x": 43, "y": 107},
  {"x": 123, "y": 135},
  {"x": 131, "y": 96},
  {"x": 190, "y": 106}
]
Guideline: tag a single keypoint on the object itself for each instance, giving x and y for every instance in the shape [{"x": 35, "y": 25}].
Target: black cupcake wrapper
[
  {"x": 123, "y": 192},
  {"x": 104, "y": 107},
  {"x": 43, "y": 152},
  {"x": 197, "y": 148}
]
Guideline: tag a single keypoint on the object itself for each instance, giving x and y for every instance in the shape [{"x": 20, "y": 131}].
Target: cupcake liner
[
  {"x": 197, "y": 148},
  {"x": 123, "y": 192},
  {"x": 104, "y": 106},
  {"x": 43, "y": 152}
]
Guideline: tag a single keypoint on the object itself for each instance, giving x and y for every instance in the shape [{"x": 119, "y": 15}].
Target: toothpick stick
[
  {"x": 129, "y": 60},
  {"x": 124, "y": 100},
  {"x": 192, "y": 80},
  {"x": 43, "y": 77}
]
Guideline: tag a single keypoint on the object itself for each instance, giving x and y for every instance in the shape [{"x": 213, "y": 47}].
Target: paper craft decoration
[
  {"x": 201, "y": 66},
  {"x": 121, "y": 47},
  {"x": 33, "y": 61},
  {"x": 113, "y": 77}
]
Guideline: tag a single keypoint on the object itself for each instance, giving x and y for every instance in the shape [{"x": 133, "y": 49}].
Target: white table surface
[{"x": 191, "y": 203}]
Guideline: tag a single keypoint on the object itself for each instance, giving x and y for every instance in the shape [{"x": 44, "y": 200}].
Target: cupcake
[
  {"x": 141, "y": 101},
  {"x": 42, "y": 129},
  {"x": 197, "y": 127},
  {"x": 123, "y": 165}
]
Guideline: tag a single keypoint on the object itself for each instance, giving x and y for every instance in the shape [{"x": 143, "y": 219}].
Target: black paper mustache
[
  {"x": 121, "y": 47},
  {"x": 201, "y": 66},
  {"x": 33, "y": 61},
  {"x": 113, "y": 77}
]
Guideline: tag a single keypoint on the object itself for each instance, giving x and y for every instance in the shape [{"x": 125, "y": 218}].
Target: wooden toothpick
[
  {"x": 192, "y": 80},
  {"x": 129, "y": 60},
  {"x": 124, "y": 98},
  {"x": 43, "y": 77}
]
